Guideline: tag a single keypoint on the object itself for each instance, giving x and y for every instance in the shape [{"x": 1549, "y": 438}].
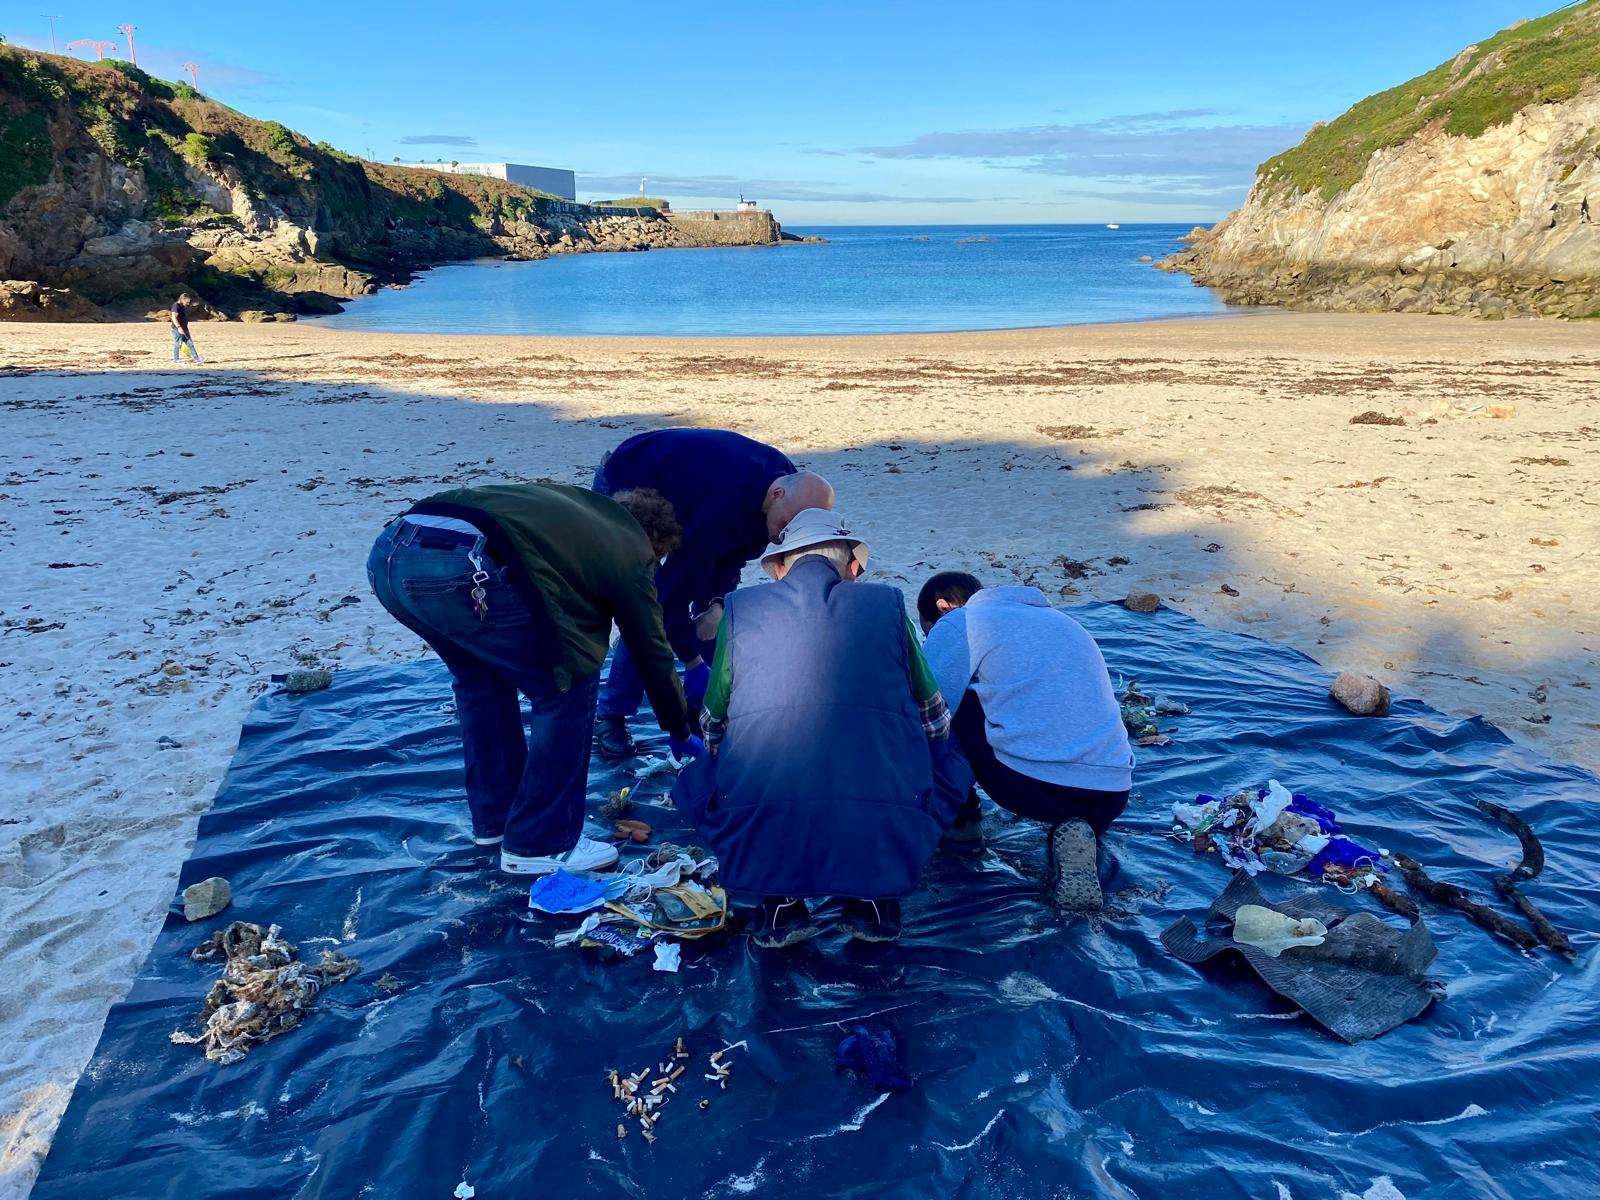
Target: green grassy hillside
[
  {"x": 62, "y": 120},
  {"x": 1540, "y": 61}
]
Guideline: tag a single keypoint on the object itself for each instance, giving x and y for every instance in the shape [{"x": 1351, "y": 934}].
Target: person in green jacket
[{"x": 516, "y": 587}]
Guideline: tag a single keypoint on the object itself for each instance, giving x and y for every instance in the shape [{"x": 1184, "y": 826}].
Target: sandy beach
[{"x": 172, "y": 536}]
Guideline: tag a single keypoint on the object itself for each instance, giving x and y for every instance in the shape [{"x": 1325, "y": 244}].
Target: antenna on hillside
[
  {"x": 642, "y": 182},
  {"x": 127, "y": 32},
  {"x": 100, "y": 48},
  {"x": 194, "y": 76},
  {"x": 52, "y": 21}
]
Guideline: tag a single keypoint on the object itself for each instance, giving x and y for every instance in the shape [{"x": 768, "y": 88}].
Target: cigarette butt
[
  {"x": 676, "y": 1072},
  {"x": 723, "y": 1084},
  {"x": 654, "y": 1117},
  {"x": 622, "y": 1131},
  {"x": 648, "y": 1136},
  {"x": 713, "y": 1078},
  {"x": 644, "y": 1123},
  {"x": 703, "y": 1104},
  {"x": 671, "y": 1087},
  {"x": 679, "y": 1050},
  {"x": 716, "y": 1057}
]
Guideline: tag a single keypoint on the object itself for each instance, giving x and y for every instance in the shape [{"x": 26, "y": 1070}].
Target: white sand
[{"x": 215, "y": 521}]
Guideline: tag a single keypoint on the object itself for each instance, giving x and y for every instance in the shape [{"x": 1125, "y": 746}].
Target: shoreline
[{"x": 176, "y": 535}]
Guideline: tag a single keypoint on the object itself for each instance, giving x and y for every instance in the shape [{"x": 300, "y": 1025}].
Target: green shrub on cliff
[
  {"x": 156, "y": 87},
  {"x": 25, "y": 153},
  {"x": 280, "y": 142},
  {"x": 199, "y": 149},
  {"x": 633, "y": 202},
  {"x": 1540, "y": 61}
]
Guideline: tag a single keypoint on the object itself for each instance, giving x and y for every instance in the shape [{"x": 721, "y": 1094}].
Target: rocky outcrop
[
  {"x": 1502, "y": 222},
  {"x": 25, "y": 300},
  {"x": 128, "y": 189}
]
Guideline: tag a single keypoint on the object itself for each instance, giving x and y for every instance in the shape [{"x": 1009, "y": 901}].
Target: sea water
[{"x": 864, "y": 279}]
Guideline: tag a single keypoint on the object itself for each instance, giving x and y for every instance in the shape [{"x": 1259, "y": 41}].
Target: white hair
[{"x": 838, "y": 553}]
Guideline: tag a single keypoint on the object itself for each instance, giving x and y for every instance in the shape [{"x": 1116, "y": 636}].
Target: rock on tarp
[{"x": 1053, "y": 1057}]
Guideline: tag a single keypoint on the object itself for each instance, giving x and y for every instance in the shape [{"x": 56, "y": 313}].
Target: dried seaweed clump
[{"x": 264, "y": 990}]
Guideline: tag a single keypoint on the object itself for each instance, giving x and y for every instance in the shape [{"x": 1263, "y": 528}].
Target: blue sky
[{"x": 828, "y": 112}]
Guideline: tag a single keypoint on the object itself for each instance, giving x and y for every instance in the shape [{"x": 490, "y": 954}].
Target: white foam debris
[
  {"x": 1382, "y": 1188},
  {"x": 976, "y": 1138}
]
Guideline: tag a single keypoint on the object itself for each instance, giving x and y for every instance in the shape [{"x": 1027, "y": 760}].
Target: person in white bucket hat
[{"x": 823, "y": 720}]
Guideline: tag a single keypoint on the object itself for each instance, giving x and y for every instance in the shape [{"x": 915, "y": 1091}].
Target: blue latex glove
[
  {"x": 695, "y": 682},
  {"x": 684, "y": 750}
]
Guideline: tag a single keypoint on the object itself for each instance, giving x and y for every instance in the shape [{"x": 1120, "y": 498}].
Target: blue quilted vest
[{"x": 824, "y": 780}]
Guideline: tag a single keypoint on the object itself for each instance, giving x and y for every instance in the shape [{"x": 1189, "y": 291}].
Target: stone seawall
[{"x": 713, "y": 228}]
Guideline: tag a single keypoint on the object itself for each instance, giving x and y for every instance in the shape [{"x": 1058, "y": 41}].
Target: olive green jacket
[{"x": 580, "y": 562}]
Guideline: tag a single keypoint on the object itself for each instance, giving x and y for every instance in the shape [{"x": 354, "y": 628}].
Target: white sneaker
[{"x": 587, "y": 855}]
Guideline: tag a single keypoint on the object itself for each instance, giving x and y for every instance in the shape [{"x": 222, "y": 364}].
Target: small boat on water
[{"x": 1113, "y": 225}]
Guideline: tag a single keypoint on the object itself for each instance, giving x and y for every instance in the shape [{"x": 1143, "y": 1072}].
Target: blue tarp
[{"x": 1054, "y": 1056}]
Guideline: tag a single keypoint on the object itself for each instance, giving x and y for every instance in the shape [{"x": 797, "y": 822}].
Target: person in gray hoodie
[{"x": 1037, "y": 724}]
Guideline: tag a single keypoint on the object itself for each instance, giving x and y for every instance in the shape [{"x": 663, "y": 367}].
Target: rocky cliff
[
  {"x": 1472, "y": 189},
  {"x": 117, "y": 190}
]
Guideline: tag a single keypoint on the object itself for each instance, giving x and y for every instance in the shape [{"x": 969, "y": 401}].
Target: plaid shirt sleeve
[
  {"x": 712, "y": 729},
  {"x": 935, "y": 715}
]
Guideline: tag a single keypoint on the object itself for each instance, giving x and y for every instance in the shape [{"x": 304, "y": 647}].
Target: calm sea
[{"x": 866, "y": 279}]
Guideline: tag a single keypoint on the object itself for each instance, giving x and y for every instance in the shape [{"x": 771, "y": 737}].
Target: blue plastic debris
[
  {"x": 874, "y": 1051},
  {"x": 565, "y": 893}
]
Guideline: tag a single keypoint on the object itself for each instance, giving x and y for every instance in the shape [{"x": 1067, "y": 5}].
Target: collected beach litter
[
  {"x": 874, "y": 1051},
  {"x": 1528, "y": 868},
  {"x": 631, "y": 831},
  {"x": 652, "y": 767},
  {"x": 1351, "y": 972},
  {"x": 670, "y": 1079},
  {"x": 562, "y": 892},
  {"x": 1539, "y": 930},
  {"x": 1271, "y": 829},
  {"x": 264, "y": 991},
  {"x": 667, "y": 895},
  {"x": 1140, "y": 710}
]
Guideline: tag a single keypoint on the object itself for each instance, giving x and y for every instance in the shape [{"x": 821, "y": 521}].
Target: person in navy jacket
[{"x": 731, "y": 494}]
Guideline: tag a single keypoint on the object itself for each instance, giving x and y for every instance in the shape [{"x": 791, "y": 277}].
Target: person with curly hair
[{"x": 516, "y": 587}]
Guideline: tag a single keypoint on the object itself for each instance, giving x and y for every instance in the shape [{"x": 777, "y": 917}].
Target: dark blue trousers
[{"x": 527, "y": 783}]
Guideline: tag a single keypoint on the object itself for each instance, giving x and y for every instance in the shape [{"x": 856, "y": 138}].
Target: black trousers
[{"x": 971, "y": 759}]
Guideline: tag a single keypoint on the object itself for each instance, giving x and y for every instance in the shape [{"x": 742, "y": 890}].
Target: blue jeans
[
  {"x": 180, "y": 339},
  {"x": 526, "y": 784}
]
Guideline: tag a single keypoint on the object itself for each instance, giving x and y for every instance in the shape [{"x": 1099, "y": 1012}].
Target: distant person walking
[{"x": 178, "y": 318}]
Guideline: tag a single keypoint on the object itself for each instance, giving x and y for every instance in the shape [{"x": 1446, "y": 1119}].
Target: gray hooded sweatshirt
[{"x": 1051, "y": 712}]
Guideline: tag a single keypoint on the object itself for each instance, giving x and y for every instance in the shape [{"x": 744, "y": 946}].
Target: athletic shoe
[
  {"x": 871, "y": 920},
  {"x": 783, "y": 923},
  {"x": 487, "y": 839},
  {"x": 612, "y": 741},
  {"x": 587, "y": 855},
  {"x": 1074, "y": 877},
  {"x": 966, "y": 835}
]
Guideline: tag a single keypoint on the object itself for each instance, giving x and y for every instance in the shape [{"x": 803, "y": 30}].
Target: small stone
[
  {"x": 206, "y": 898},
  {"x": 1142, "y": 602},
  {"x": 307, "y": 681},
  {"x": 1361, "y": 694}
]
